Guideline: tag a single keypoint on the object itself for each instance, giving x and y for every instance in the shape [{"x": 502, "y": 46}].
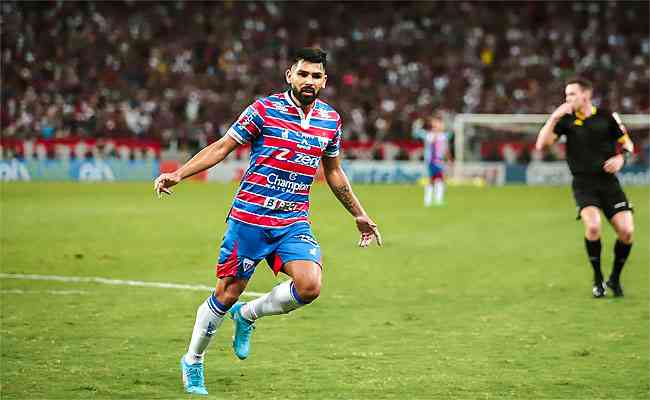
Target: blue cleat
[
  {"x": 241, "y": 342},
  {"x": 193, "y": 378}
]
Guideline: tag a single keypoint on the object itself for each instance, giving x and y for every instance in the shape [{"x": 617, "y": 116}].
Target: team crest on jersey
[
  {"x": 247, "y": 264},
  {"x": 304, "y": 144}
]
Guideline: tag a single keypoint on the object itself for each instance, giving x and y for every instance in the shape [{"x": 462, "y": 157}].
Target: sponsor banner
[
  {"x": 384, "y": 171},
  {"x": 66, "y": 148},
  {"x": 91, "y": 170},
  {"x": 491, "y": 173},
  {"x": 379, "y": 172},
  {"x": 558, "y": 173},
  {"x": 516, "y": 173},
  {"x": 635, "y": 176},
  {"x": 173, "y": 165},
  {"x": 548, "y": 173},
  {"x": 228, "y": 171}
]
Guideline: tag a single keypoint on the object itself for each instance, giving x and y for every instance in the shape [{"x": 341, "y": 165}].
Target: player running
[
  {"x": 591, "y": 137},
  {"x": 290, "y": 133},
  {"x": 436, "y": 153}
]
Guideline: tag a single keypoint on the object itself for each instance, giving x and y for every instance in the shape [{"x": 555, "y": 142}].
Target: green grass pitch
[{"x": 488, "y": 297}]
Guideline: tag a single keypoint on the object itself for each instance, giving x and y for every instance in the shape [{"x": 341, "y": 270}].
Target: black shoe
[
  {"x": 598, "y": 290},
  {"x": 616, "y": 287}
]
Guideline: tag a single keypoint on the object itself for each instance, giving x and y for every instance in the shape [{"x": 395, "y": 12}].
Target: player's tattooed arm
[
  {"x": 343, "y": 192},
  {"x": 340, "y": 185}
]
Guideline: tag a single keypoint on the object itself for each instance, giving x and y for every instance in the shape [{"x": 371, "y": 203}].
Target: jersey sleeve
[
  {"x": 561, "y": 128},
  {"x": 334, "y": 147},
  {"x": 615, "y": 128},
  {"x": 248, "y": 125}
]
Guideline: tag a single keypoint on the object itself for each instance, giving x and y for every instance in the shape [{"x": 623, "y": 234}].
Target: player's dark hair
[
  {"x": 311, "y": 54},
  {"x": 585, "y": 84}
]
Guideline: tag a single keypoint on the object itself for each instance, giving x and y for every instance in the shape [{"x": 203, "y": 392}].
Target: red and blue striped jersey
[{"x": 286, "y": 149}]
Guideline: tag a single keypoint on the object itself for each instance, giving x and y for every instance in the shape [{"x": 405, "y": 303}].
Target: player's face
[
  {"x": 437, "y": 125},
  {"x": 306, "y": 80},
  {"x": 576, "y": 96}
]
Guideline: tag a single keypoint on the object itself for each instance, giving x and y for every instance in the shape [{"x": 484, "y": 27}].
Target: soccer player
[
  {"x": 290, "y": 134},
  {"x": 591, "y": 147},
  {"x": 436, "y": 153}
]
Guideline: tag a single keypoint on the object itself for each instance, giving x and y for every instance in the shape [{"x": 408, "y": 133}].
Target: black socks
[
  {"x": 593, "y": 250},
  {"x": 621, "y": 251}
]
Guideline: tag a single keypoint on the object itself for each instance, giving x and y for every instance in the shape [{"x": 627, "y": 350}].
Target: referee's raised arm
[{"x": 546, "y": 135}]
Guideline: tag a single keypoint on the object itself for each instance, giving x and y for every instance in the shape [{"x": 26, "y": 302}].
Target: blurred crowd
[{"x": 181, "y": 71}]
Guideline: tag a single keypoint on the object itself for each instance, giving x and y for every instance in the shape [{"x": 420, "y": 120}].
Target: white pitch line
[
  {"x": 117, "y": 282},
  {"x": 58, "y": 292}
]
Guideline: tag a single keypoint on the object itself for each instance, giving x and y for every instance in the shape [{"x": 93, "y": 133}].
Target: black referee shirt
[{"x": 589, "y": 141}]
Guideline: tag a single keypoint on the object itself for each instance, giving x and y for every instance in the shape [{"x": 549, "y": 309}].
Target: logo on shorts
[
  {"x": 313, "y": 251},
  {"x": 621, "y": 204},
  {"x": 308, "y": 239},
  {"x": 247, "y": 264}
]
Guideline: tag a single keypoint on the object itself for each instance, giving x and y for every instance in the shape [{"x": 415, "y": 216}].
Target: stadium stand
[{"x": 180, "y": 72}]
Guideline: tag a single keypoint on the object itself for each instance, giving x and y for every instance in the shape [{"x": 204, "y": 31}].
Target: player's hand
[
  {"x": 562, "y": 110},
  {"x": 163, "y": 183},
  {"x": 614, "y": 164},
  {"x": 369, "y": 231}
]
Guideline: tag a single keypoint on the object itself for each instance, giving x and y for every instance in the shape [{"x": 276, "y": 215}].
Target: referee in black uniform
[{"x": 592, "y": 135}]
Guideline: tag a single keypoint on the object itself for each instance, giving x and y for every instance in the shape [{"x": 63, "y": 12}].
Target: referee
[{"x": 591, "y": 151}]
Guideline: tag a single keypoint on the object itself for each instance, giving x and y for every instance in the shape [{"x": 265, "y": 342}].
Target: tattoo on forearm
[{"x": 345, "y": 196}]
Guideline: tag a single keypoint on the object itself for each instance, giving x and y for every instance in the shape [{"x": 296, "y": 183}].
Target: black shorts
[{"x": 602, "y": 191}]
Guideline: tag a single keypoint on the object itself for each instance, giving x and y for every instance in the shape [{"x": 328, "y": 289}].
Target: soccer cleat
[
  {"x": 241, "y": 342},
  {"x": 193, "y": 378},
  {"x": 616, "y": 287},
  {"x": 598, "y": 290}
]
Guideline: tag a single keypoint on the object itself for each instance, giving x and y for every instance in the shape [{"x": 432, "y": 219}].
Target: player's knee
[
  {"x": 308, "y": 291},
  {"x": 626, "y": 234},
  {"x": 592, "y": 230},
  {"x": 230, "y": 294}
]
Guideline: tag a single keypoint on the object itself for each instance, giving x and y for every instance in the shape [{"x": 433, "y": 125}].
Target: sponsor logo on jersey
[
  {"x": 279, "y": 106},
  {"x": 281, "y": 205},
  {"x": 285, "y": 185}
]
